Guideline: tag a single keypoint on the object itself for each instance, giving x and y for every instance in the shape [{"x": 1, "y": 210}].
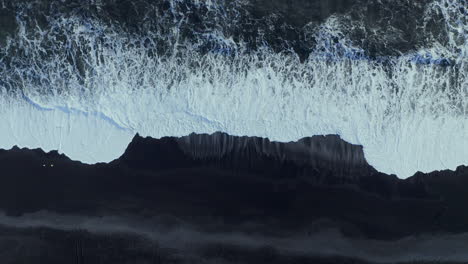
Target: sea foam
[{"x": 85, "y": 88}]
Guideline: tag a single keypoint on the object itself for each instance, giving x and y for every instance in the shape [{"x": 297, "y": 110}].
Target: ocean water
[{"x": 83, "y": 77}]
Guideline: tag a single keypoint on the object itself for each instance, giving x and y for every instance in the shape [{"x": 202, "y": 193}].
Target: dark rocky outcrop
[{"x": 199, "y": 178}]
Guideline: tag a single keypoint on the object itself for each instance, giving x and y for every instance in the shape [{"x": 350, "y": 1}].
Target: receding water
[{"x": 76, "y": 79}]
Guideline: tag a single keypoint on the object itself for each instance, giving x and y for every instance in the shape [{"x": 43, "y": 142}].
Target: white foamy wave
[{"x": 87, "y": 94}]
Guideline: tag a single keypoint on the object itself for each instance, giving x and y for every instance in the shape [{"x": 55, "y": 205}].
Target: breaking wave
[{"x": 84, "y": 78}]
